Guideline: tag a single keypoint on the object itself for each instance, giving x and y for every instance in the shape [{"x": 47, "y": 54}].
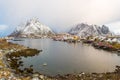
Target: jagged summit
[
  {"x": 84, "y": 30},
  {"x": 32, "y": 28}
]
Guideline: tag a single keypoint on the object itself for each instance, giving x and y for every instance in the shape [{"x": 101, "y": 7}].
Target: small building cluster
[{"x": 66, "y": 37}]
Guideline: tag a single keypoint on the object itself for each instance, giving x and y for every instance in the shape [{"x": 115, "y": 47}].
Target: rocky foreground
[
  {"x": 8, "y": 57},
  {"x": 10, "y": 60}
]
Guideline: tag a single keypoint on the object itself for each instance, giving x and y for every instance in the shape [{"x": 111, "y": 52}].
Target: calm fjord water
[{"x": 63, "y": 58}]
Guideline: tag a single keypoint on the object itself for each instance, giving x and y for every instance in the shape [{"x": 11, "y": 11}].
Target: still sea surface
[{"x": 63, "y": 58}]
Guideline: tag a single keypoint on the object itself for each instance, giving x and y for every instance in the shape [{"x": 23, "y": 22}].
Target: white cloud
[
  {"x": 3, "y": 27},
  {"x": 114, "y": 26},
  {"x": 4, "y": 30},
  {"x": 60, "y": 14}
]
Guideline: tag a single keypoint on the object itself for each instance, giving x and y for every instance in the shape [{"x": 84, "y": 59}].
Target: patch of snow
[
  {"x": 32, "y": 26},
  {"x": 89, "y": 30}
]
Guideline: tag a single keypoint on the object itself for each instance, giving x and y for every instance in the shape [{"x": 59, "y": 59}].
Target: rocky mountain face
[
  {"x": 32, "y": 28},
  {"x": 85, "y": 30}
]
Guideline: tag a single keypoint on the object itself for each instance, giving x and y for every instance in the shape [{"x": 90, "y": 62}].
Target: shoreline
[{"x": 6, "y": 73}]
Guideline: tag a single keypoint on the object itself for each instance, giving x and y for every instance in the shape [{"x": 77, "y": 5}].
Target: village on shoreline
[
  {"x": 108, "y": 43},
  {"x": 10, "y": 54}
]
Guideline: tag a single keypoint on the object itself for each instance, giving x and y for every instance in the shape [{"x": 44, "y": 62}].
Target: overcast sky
[{"x": 60, "y": 14}]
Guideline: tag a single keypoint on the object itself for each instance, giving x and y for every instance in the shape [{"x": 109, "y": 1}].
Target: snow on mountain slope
[
  {"x": 32, "y": 28},
  {"x": 89, "y": 30}
]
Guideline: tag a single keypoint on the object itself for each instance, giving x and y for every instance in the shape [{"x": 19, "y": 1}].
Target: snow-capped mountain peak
[
  {"x": 89, "y": 30},
  {"x": 32, "y": 27}
]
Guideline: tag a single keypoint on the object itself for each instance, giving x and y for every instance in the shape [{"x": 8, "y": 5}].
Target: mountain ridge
[
  {"x": 84, "y": 29},
  {"x": 32, "y": 28}
]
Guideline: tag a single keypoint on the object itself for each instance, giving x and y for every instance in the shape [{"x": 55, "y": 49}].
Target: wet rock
[
  {"x": 41, "y": 76},
  {"x": 26, "y": 78},
  {"x": 3, "y": 79},
  {"x": 35, "y": 78},
  {"x": 1, "y": 67},
  {"x": 100, "y": 75},
  {"x": 19, "y": 79},
  {"x": 79, "y": 75},
  {"x": 14, "y": 78},
  {"x": 7, "y": 73},
  {"x": 44, "y": 64},
  {"x": 8, "y": 59},
  {"x": 82, "y": 73},
  {"x": 35, "y": 75}
]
